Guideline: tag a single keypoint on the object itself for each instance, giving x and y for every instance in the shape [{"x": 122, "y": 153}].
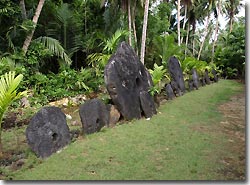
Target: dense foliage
[
  {"x": 230, "y": 53},
  {"x": 73, "y": 40}
]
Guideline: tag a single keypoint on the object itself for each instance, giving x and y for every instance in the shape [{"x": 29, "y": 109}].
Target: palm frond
[
  {"x": 8, "y": 91},
  {"x": 65, "y": 28},
  {"x": 113, "y": 41},
  {"x": 55, "y": 47},
  {"x": 64, "y": 14}
]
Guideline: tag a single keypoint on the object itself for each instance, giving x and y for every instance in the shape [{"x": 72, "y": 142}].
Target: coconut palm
[
  {"x": 35, "y": 20},
  {"x": 233, "y": 7},
  {"x": 23, "y": 9},
  {"x": 178, "y": 21},
  {"x": 144, "y": 31},
  {"x": 65, "y": 29},
  {"x": 218, "y": 7},
  {"x": 209, "y": 8},
  {"x": 195, "y": 14},
  {"x": 186, "y": 4}
]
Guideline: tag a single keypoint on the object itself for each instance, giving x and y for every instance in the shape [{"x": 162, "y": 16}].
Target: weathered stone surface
[
  {"x": 202, "y": 81},
  {"x": 175, "y": 88},
  {"x": 147, "y": 104},
  {"x": 125, "y": 77},
  {"x": 176, "y": 74},
  {"x": 190, "y": 84},
  {"x": 48, "y": 131},
  {"x": 206, "y": 76},
  {"x": 195, "y": 78},
  {"x": 169, "y": 92},
  {"x": 215, "y": 75},
  {"x": 94, "y": 115},
  {"x": 149, "y": 78},
  {"x": 114, "y": 115}
]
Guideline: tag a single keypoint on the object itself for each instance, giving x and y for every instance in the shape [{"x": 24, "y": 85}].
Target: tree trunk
[
  {"x": 184, "y": 23},
  {"x": 216, "y": 29},
  {"x": 35, "y": 20},
  {"x": 206, "y": 31},
  {"x": 231, "y": 24},
  {"x": 134, "y": 28},
  {"x": 129, "y": 25},
  {"x": 193, "y": 37},
  {"x": 178, "y": 22},
  {"x": 23, "y": 9},
  {"x": 231, "y": 14},
  {"x": 187, "y": 40},
  {"x": 144, "y": 30}
]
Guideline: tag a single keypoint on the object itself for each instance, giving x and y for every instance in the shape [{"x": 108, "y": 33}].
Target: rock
[
  {"x": 176, "y": 74},
  {"x": 74, "y": 134},
  {"x": 77, "y": 99},
  {"x": 206, "y": 76},
  {"x": 24, "y": 102},
  {"x": 60, "y": 103},
  {"x": 190, "y": 85},
  {"x": 202, "y": 81},
  {"x": 114, "y": 115},
  {"x": 195, "y": 78},
  {"x": 125, "y": 77},
  {"x": 150, "y": 81},
  {"x": 47, "y": 131},
  {"x": 94, "y": 115},
  {"x": 175, "y": 88},
  {"x": 169, "y": 92},
  {"x": 215, "y": 75},
  {"x": 147, "y": 104},
  {"x": 75, "y": 123}
]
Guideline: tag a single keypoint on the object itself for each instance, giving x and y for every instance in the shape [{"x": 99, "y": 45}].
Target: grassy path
[{"x": 182, "y": 142}]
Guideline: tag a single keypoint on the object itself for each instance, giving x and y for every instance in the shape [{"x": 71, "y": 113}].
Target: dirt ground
[{"x": 234, "y": 126}]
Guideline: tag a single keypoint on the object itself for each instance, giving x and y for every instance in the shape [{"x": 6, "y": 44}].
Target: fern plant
[
  {"x": 99, "y": 60},
  {"x": 166, "y": 47},
  {"x": 8, "y": 93},
  {"x": 157, "y": 77}
]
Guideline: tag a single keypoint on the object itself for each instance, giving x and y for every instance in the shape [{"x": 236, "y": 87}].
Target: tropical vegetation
[{"x": 52, "y": 49}]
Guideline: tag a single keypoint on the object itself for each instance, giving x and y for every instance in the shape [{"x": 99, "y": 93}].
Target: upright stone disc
[{"x": 48, "y": 131}]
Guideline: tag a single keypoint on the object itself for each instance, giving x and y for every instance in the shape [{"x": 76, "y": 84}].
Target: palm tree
[
  {"x": 23, "y": 9},
  {"x": 210, "y": 6},
  {"x": 205, "y": 35},
  {"x": 178, "y": 22},
  {"x": 129, "y": 24},
  {"x": 35, "y": 20},
  {"x": 187, "y": 6},
  {"x": 134, "y": 26},
  {"x": 66, "y": 29},
  {"x": 129, "y": 7},
  {"x": 196, "y": 14},
  {"x": 216, "y": 28},
  {"x": 232, "y": 9},
  {"x": 144, "y": 30}
]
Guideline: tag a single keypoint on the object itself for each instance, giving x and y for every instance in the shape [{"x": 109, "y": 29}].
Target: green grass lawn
[{"x": 181, "y": 142}]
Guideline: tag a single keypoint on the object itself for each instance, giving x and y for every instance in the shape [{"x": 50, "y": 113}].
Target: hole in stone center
[
  {"x": 138, "y": 82},
  {"x": 97, "y": 120},
  {"x": 54, "y": 136}
]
